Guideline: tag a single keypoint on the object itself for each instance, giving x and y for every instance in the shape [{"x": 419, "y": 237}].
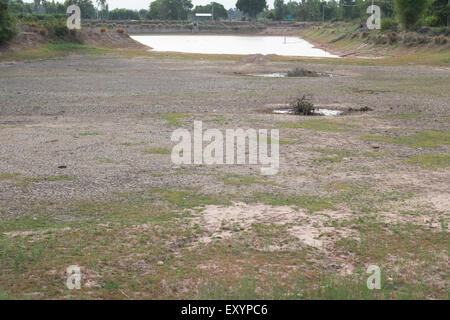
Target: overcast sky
[{"x": 143, "y": 4}]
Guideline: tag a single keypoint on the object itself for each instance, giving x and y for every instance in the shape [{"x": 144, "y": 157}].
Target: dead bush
[
  {"x": 302, "y": 105},
  {"x": 439, "y": 40},
  {"x": 300, "y": 72},
  {"x": 392, "y": 37}
]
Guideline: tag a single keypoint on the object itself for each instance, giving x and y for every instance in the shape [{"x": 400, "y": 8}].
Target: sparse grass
[
  {"x": 190, "y": 199},
  {"x": 342, "y": 153},
  {"x": 174, "y": 119},
  {"x": 327, "y": 160},
  {"x": 310, "y": 203},
  {"x": 89, "y": 133},
  {"x": 403, "y": 116},
  {"x": 422, "y": 139},
  {"x": 371, "y": 154},
  {"x": 133, "y": 144},
  {"x": 430, "y": 161},
  {"x": 324, "y": 125},
  {"x": 235, "y": 179},
  {"x": 105, "y": 160},
  {"x": 52, "y": 50},
  {"x": 157, "y": 150},
  {"x": 5, "y": 176}
]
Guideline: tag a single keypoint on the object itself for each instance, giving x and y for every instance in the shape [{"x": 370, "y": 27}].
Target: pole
[{"x": 323, "y": 13}]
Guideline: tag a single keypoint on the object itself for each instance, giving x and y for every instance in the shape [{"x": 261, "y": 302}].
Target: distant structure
[
  {"x": 235, "y": 14},
  {"x": 199, "y": 15}
]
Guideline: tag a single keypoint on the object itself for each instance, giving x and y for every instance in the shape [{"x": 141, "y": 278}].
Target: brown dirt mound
[
  {"x": 31, "y": 37},
  {"x": 111, "y": 39}
]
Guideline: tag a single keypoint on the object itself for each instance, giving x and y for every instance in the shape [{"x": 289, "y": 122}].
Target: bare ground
[{"x": 85, "y": 177}]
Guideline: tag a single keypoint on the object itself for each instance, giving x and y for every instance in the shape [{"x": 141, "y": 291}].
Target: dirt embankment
[
  {"x": 349, "y": 39},
  {"x": 33, "y": 36}
]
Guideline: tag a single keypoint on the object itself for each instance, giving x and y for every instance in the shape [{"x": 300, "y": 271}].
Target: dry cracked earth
[{"x": 86, "y": 179}]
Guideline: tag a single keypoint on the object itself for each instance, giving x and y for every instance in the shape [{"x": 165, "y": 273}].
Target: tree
[
  {"x": 441, "y": 10},
  {"x": 86, "y": 7},
  {"x": 409, "y": 12},
  {"x": 251, "y": 7},
  {"x": 7, "y": 28},
  {"x": 219, "y": 10},
  {"x": 280, "y": 8},
  {"x": 123, "y": 14},
  {"x": 103, "y": 8},
  {"x": 170, "y": 9}
]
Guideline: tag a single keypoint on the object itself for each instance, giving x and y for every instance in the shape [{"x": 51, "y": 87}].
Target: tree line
[{"x": 408, "y": 13}]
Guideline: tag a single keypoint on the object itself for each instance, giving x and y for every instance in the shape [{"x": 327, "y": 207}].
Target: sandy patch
[{"x": 222, "y": 222}]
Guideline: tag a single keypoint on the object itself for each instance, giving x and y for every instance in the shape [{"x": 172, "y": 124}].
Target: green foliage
[
  {"x": 7, "y": 26},
  {"x": 251, "y": 7},
  {"x": 56, "y": 27},
  {"x": 432, "y": 21},
  {"x": 86, "y": 7},
  {"x": 219, "y": 10},
  {"x": 279, "y": 9},
  {"x": 170, "y": 9},
  {"x": 409, "y": 12},
  {"x": 440, "y": 11},
  {"x": 123, "y": 14},
  {"x": 388, "y": 24}
]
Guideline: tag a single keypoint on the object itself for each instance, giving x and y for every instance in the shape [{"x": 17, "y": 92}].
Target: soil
[{"x": 81, "y": 127}]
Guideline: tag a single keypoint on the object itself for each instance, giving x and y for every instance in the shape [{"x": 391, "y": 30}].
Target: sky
[{"x": 144, "y": 4}]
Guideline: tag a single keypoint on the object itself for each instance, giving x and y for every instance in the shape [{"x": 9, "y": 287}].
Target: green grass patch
[
  {"x": 339, "y": 152},
  {"x": 157, "y": 150},
  {"x": 235, "y": 179},
  {"x": 191, "y": 199},
  {"x": 324, "y": 125},
  {"x": 52, "y": 50},
  {"x": 430, "y": 161},
  {"x": 173, "y": 119},
  {"x": 133, "y": 144},
  {"x": 5, "y": 176},
  {"x": 371, "y": 154},
  {"x": 89, "y": 133},
  {"x": 310, "y": 203},
  {"x": 422, "y": 139},
  {"x": 327, "y": 160}
]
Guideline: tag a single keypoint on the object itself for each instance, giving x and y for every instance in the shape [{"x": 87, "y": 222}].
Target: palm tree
[{"x": 101, "y": 4}]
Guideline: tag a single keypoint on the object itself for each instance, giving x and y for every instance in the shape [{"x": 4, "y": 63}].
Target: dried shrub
[
  {"x": 440, "y": 40},
  {"x": 392, "y": 37},
  {"x": 300, "y": 72},
  {"x": 302, "y": 105},
  {"x": 102, "y": 30},
  {"x": 120, "y": 31}
]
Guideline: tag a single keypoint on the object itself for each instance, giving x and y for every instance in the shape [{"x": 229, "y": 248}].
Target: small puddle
[
  {"x": 269, "y": 75},
  {"x": 319, "y": 112},
  {"x": 285, "y": 75}
]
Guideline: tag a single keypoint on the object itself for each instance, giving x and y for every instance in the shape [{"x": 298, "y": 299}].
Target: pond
[{"x": 233, "y": 44}]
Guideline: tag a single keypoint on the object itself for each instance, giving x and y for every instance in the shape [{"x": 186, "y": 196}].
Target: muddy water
[{"x": 233, "y": 44}]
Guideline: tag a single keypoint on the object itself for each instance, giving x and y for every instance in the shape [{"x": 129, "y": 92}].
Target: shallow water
[
  {"x": 232, "y": 44},
  {"x": 269, "y": 75},
  {"x": 323, "y": 112}
]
